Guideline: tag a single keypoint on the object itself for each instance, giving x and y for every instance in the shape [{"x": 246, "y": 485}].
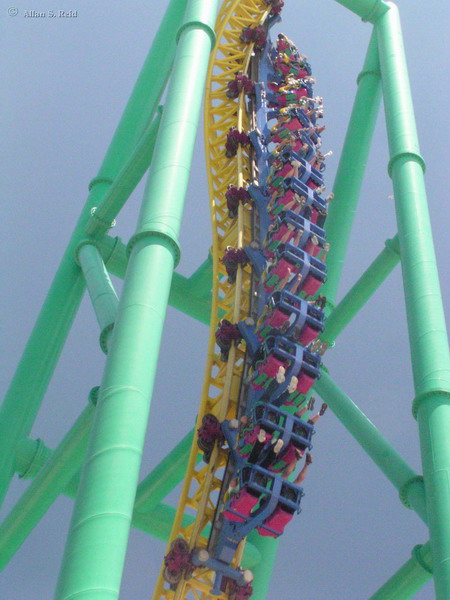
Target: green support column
[
  {"x": 352, "y": 165},
  {"x": 410, "y": 578},
  {"x": 101, "y": 291},
  {"x": 426, "y": 324},
  {"x": 45, "y": 344},
  {"x": 96, "y": 545}
]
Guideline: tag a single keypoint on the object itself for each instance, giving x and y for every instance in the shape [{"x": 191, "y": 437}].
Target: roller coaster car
[
  {"x": 292, "y": 188},
  {"x": 286, "y": 97},
  {"x": 289, "y": 122},
  {"x": 258, "y": 487},
  {"x": 278, "y": 360},
  {"x": 290, "y": 263},
  {"x": 291, "y": 429},
  {"x": 291, "y": 316},
  {"x": 293, "y": 166},
  {"x": 288, "y": 226}
]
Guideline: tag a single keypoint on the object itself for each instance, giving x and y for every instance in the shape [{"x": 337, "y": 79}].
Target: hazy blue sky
[{"x": 65, "y": 84}]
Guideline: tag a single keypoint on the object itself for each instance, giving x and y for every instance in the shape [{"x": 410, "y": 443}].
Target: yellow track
[{"x": 222, "y": 380}]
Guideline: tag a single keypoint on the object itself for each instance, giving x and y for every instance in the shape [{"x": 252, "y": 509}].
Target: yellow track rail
[{"x": 222, "y": 380}]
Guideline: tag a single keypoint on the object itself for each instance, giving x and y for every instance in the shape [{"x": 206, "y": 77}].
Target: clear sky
[{"x": 65, "y": 83}]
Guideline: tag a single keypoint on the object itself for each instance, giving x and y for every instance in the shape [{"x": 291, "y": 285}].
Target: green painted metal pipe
[
  {"x": 96, "y": 544},
  {"x": 262, "y": 571},
  {"x": 425, "y": 315},
  {"x": 351, "y": 168},
  {"x": 125, "y": 182},
  {"x": 48, "y": 483},
  {"x": 368, "y": 10},
  {"x": 361, "y": 291},
  {"x": 186, "y": 295},
  {"x": 153, "y": 518},
  {"x": 200, "y": 281},
  {"x": 374, "y": 444},
  {"x": 410, "y": 578},
  {"x": 24, "y": 397},
  {"x": 101, "y": 290}
]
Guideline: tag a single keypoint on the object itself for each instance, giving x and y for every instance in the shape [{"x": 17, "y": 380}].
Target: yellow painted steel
[{"x": 222, "y": 379}]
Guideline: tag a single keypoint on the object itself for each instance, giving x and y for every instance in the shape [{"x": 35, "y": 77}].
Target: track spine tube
[{"x": 426, "y": 323}]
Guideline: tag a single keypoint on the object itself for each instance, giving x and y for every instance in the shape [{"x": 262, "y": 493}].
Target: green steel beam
[
  {"x": 25, "y": 394},
  {"x": 399, "y": 473},
  {"x": 410, "y": 578},
  {"x": 425, "y": 315},
  {"x": 351, "y": 168},
  {"x": 190, "y": 295},
  {"x": 153, "y": 518},
  {"x": 127, "y": 179},
  {"x": 97, "y": 540},
  {"x": 262, "y": 571},
  {"x": 361, "y": 291},
  {"x": 101, "y": 291},
  {"x": 201, "y": 279},
  {"x": 368, "y": 10},
  {"x": 48, "y": 483}
]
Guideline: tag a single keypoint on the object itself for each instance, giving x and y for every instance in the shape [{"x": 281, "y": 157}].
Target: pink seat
[
  {"x": 311, "y": 248},
  {"x": 271, "y": 366},
  {"x": 311, "y": 285},
  {"x": 307, "y": 335},
  {"x": 305, "y": 382},
  {"x": 278, "y": 521},
  {"x": 243, "y": 503},
  {"x": 277, "y": 319}
]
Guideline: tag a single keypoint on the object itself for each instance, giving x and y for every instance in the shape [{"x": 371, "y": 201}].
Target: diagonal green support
[
  {"x": 25, "y": 394},
  {"x": 377, "y": 447},
  {"x": 351, "y": 168},
  {"x": 410, "y": 578},
  {"x": 361, "y": 291}
]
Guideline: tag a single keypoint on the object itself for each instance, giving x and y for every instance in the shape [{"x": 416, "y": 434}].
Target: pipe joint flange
[
  {"x": 93, "y": 395},
  {"x": 174, "y": 245},
  {"x": 425, "y": 396},
  {"x": 104, "y": 335},
  {"x": 366, "y": 73},
  {"x": 417, "y": 554},
  {"x": 106, "y": 224},
  {"x": 86, "y": 243},
  {"x": 35, "y": 463},
  {"x": 194, "y": 24},
  {"x": 98, "y": 180},
  {"x": 378, "y": 9},
  {"x": 392, "y": 246},
  {"x": 414, "y": 156},
  {"x": 404, "y": 490}
]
